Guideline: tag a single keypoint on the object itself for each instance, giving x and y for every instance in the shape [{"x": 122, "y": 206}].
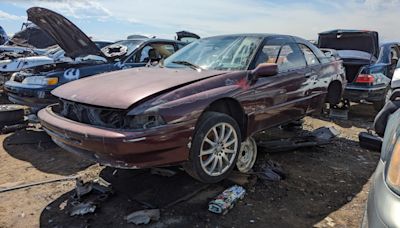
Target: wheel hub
[{"x": 247, "y": 156}]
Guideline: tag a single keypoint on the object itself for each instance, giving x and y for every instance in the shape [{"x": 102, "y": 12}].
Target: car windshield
[{"x": 216, "y": 53}]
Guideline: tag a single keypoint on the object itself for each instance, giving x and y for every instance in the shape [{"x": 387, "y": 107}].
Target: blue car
[
  {"x": 369, "y": 66},
  {"x": 32, "y": 87}
]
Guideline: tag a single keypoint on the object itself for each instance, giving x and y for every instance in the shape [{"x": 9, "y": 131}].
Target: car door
[
  {"x": 283, "y": 96},
  {"x": 316, "y": 85}
]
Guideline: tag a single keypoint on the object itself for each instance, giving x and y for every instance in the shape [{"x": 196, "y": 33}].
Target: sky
[{"x": 116, "y": 19}]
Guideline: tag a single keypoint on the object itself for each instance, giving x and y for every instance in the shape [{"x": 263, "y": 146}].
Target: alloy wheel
[{"x": 218, "y": 149}]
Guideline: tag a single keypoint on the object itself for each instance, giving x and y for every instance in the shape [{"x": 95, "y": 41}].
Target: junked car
[
  {"x": 369, "y": 65},
  {"x": 32, "y": 87},
  {"x": 383, "y": 205},
  {"x": 197, "y": 108},
  {"x": 41, "y": 63},
  {"x": 30, "y": 41}
]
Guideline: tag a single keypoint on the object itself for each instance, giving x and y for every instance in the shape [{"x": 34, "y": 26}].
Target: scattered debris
[
  {"x": 325, "y": 133},
  {"x": 320, "y": 136},
  {"x": 82, "y": 208},
  {"x": 12, "y": 128},
  {"x": 340, "y": 111},
  {"x": 37, "y": 183},
  {"x": 99, "y": 185},
  {"x": 271, "y": 171},
  {"x": 227, "y": 200},
  {"x": 370, "y": 141},
  {"x": 162, "y": 172},
  {"x": 143, "y": 216}
]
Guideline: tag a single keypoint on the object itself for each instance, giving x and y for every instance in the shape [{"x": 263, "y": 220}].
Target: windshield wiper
[{"x": 191, "y": 65}]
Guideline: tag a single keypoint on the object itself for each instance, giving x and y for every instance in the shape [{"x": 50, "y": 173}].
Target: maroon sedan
[{"x": 198, "y": 108}]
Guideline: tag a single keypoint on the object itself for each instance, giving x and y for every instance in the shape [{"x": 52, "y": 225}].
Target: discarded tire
[{"x": 11, "y": 114}]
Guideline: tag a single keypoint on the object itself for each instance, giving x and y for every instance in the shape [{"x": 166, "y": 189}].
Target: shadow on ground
[
  {"x": 320, "y": 180},
  {"x": 37, "y": 148}
]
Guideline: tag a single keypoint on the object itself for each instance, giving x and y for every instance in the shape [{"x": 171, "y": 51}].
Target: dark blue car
[
  {"x": 33, "y": 87},
  {"x": 369, "y": 66}
]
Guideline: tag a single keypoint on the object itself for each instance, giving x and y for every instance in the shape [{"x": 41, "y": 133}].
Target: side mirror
[{"x": 265, "y": 70}]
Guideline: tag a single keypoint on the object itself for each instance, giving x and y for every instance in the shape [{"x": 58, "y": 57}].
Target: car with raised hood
[
  {"x": 50, "y": 59},
  {"x": 383, "y": 205},
  {"x": 32, "y": 87},
  {"x": 369, "y": 65},
  {"x": 198, "y": 108},
  {"x": 30, "y": 41}
]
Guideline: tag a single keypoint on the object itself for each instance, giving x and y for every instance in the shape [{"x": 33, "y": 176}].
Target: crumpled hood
[
  {"x": 70, "y": 38},
  {"x": 121, "y": 89}
]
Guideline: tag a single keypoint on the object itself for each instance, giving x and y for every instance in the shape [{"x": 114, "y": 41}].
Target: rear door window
[
  {"x": 309, "y": 55},
  {"x": 287, "y": 56}
]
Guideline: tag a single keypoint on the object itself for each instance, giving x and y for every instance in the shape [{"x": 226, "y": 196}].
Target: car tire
[{"x": 214, "y": 148}]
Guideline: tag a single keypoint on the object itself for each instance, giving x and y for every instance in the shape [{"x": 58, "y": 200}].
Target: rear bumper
[
  {"x": 29, "y": 95},
  {"x": 357, "y": 93},
  {"x": 164, "y": 145}
]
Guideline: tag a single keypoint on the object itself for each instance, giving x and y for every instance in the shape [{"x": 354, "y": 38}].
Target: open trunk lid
[
  {"x": 70, "y": 38},
  {"x": 365, "y": 41}
]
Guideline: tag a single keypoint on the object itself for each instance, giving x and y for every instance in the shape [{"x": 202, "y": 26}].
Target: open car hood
[
  {"x": 121, "y": 89},
  {"x": 70, "y": 38},
  {"x": 366, "y": 41}
]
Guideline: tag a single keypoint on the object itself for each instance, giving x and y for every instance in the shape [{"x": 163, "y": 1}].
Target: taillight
[{"x": 365, "y": 78}]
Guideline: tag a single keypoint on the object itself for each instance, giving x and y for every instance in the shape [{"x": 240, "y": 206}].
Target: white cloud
[
  {"x": 210, "y": 17},
  {"x": 7, "y": 16},
  {"x": 83, "y": 9}
]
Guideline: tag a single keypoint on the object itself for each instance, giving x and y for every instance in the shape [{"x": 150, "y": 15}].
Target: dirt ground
[{"x": 325, "y": 186}]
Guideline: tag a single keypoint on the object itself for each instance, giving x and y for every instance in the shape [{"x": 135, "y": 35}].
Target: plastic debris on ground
[
  {"x": 226, "y": 200},
  {"x": 320, "y": 136},
  {"x": 340, "y": 111},
  {"x": 89, "y": 195},
  {"x": 271, "y": 171},
  {"x": 143, "y": 216},
  {"x": 82, "y": 208}
]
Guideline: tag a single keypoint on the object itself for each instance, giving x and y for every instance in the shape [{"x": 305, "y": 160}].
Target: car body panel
[
  {"x": 70, "y": 38},
  {"x": 181, "y": 96},
  {"x": 133, "y": 86},
  {"x": 383, "y": 205}
]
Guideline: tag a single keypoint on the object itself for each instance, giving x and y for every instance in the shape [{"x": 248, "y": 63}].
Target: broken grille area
[{"x": 103, "y": 117}]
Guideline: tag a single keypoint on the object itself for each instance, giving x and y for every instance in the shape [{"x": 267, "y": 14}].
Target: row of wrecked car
[{"x": 154, "y": 102}]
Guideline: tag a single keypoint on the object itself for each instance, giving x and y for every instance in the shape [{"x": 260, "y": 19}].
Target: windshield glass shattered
[{"x": 216, "y": 53}]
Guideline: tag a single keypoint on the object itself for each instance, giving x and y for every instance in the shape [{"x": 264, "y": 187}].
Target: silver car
[{"x": 383, "y": 207}]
